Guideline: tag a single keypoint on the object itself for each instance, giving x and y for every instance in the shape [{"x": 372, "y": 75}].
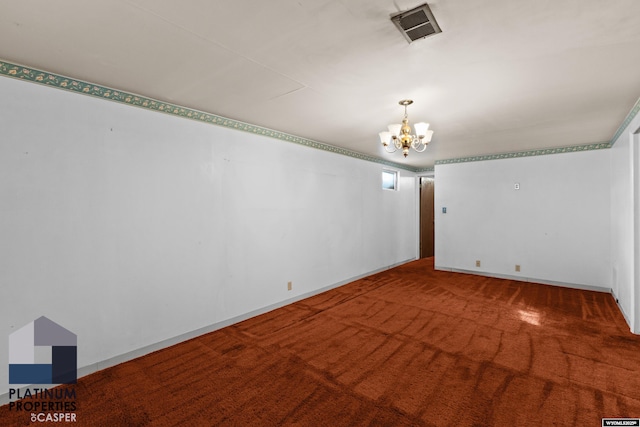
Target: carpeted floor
[{"x": 406, "y": 347}]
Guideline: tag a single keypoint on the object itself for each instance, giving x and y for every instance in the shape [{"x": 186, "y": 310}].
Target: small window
[{"x": 389, "y": 180}]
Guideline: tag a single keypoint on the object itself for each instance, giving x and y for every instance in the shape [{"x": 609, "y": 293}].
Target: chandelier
[{"x": 399, "y": 136}]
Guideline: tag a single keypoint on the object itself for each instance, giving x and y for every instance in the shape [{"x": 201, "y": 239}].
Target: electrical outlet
[
  {"x": 478, "y": 263},
  {"x": 289, "y": 286},
  {"x": 517, "y": 267}
]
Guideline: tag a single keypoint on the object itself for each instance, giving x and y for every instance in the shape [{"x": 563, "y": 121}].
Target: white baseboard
[
  {"x": 529, "y": 279},
  {"x": 107, "y": 363},
  {"x": 624, "y": 314}
]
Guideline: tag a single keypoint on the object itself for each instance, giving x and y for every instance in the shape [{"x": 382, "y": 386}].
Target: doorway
[{"x": 427, "y": 217}]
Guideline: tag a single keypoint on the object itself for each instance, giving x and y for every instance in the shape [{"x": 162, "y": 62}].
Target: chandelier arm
[
  {"x": 418, "y": 142},
  {"x": 393, "y": 150},
  {"x": 415, "y": 147}
]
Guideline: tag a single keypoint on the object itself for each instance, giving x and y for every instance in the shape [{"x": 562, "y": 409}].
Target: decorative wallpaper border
[
  {"x": 531, "y": 153},
  {"x": 632, "y": 115},
  {"x": 75, "y": 85},
  {"x": 427, "y": 169}
]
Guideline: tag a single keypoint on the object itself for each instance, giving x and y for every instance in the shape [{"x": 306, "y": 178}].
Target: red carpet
[{"x": 406, "y": 347}]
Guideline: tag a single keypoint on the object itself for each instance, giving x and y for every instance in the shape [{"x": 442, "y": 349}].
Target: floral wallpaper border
[
  {"x": 515, "y": 155},
  {"x": 75, "y": 85}
]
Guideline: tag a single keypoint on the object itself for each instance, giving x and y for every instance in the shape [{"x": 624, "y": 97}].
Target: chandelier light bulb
[
  {"x": 394, "y": 129},
  {"x": 421, "y": 129},
  {"x": 428, "y": 135},
  {"x": 385, "y": 137}
]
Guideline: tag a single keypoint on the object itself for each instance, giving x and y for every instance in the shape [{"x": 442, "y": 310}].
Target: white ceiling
[{"x": 503, "y": 76}]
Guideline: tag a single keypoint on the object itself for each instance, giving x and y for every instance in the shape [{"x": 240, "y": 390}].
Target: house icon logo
[{"x": 43, "y": 352}]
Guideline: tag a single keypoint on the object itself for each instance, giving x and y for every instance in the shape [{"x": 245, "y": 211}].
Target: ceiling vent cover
[{"x": 416, "y": 23}]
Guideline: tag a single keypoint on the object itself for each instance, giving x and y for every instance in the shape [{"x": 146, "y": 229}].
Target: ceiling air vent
[{"x": 416, "y": 23}]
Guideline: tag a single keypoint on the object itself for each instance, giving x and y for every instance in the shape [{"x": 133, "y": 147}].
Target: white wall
[
  {"x": 625, "y": 220},
  {"x": 129, "y": 227},
  {"x": 556, "y": 227},
  {"x": 622, "y": 226},
  {"x": 636, "y": 225}
]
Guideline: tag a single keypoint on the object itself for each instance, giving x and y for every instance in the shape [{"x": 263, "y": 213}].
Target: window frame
[{"x": 390, "y": 172}]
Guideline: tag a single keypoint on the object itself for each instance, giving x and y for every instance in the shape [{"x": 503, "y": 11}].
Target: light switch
[{"x": 444, "y": 210}]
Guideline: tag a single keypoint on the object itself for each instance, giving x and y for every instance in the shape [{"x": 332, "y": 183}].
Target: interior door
[{"x": 427, "y": 237}]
